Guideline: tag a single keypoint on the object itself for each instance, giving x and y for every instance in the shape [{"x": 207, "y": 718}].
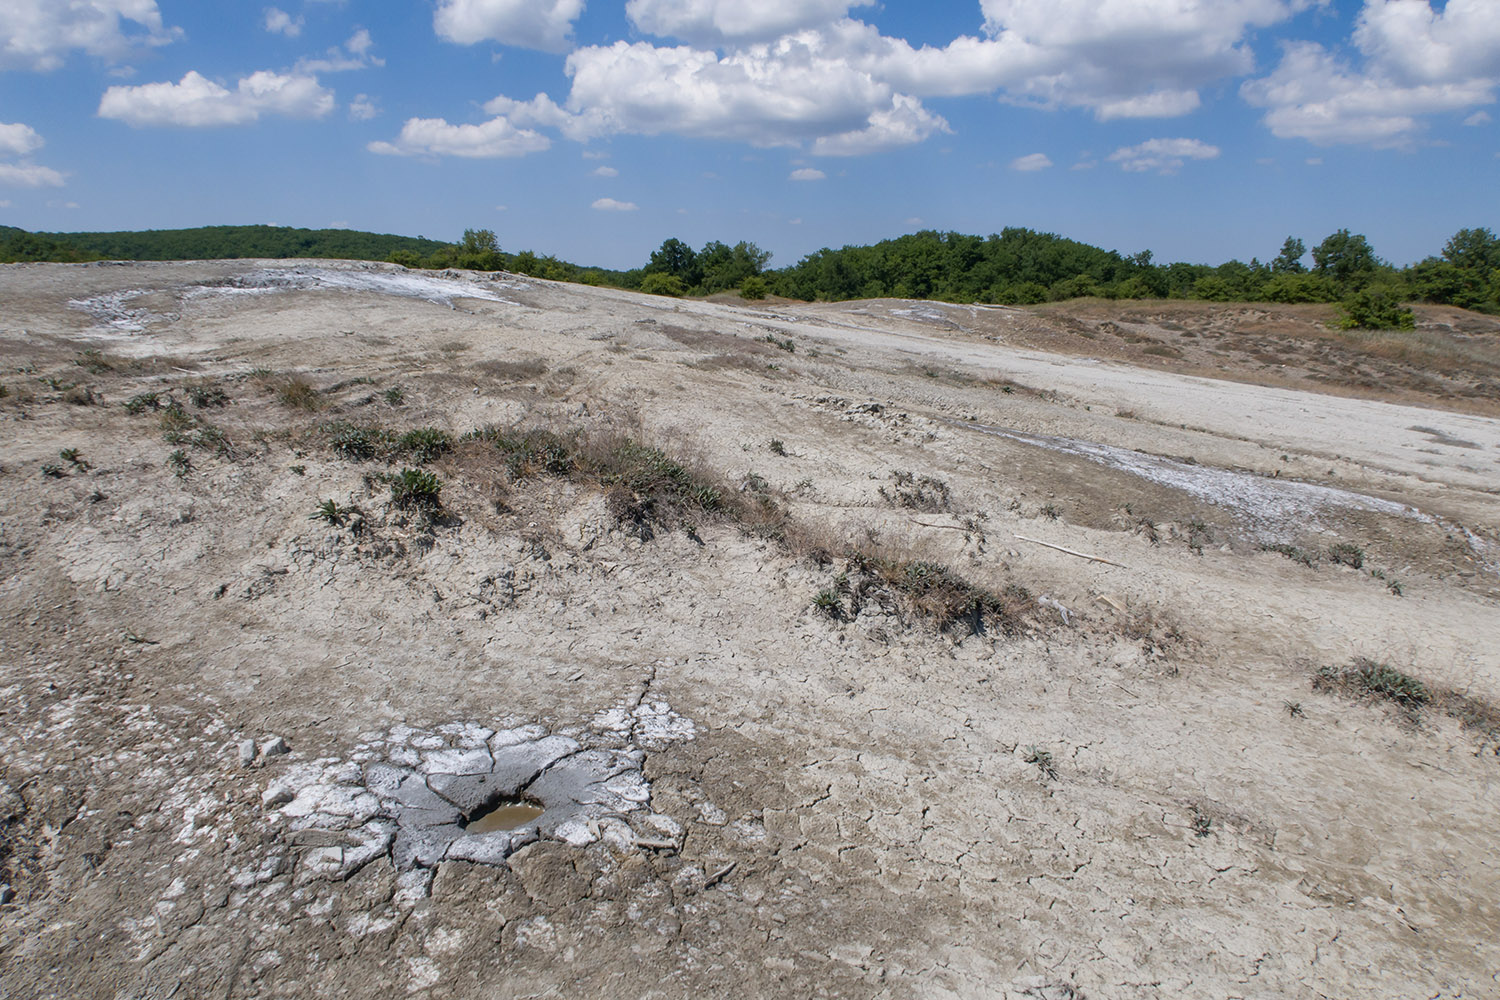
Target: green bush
[
  {"x": 754, "y": 287},
  {"x": 663, "y": 284},
  {"x": 1376, "y": 308}
]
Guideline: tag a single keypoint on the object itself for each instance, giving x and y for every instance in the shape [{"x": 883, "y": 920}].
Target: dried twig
[
  {"x": 1071, "y": 552},
  {"x": 719, "y": 875}
]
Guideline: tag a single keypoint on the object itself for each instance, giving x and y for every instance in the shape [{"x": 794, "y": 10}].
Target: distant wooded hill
[{"x": 211, "y": 243}]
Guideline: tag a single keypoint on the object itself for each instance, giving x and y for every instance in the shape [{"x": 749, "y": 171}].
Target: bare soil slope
[{"x": 880, "y": 649}]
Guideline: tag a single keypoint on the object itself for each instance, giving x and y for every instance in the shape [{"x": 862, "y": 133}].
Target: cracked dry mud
[{"x": 240, "y": 746}]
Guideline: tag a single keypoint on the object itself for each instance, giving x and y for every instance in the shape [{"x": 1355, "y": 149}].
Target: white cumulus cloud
[
  {"x": 494, "y": 139},
  {"x": 1163, "y": 155},
  {"x": 807, "y": 174},
  {"x": 786, "y": 93},
  {"x": 605, "y": 172},
  {"x": 196, "y": 101},
  {"x": 29, "y": 175},
  {"x": 1415, "y": 61},
  {"x": 716, "y": 21},
  {"x": 530, "y": 24},
  {"x": 1031, "y": 163},
  {"x": 39, "y": 34},
  {"x": 18, "y": 140},
  {"x": 1119, "y": 58},
  {"x": 610, "y": 205}
]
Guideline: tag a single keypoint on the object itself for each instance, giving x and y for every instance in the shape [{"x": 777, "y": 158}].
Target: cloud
[
  {"x": 1414, "y": 61},
  {"x": 363, "y": 108},
  {"x": 804, "y": 73},
  {"x": 1313, "y": 96},
  {"x": 610, "y": 205},
  {"x": 1030, "y": 163},
  {"x": 39, "y": 34},
  {"x": 197, "y": 101},
  {"x": 1163, "y": 155},
  {"x": 528, "y": 24},
  {"x": 1137, "y": 59},
  {"x": 494, "y": 139},
  {"x": 605, "y": 172},
  {"x": 353, "y": 54},
  {"x": 279, "y": 22},
  {"x": 1478, "y": 118},
  {"x": 716, "y": 21},
  {"x": 29, "y": 175},
  {"x": 807, "y": 174},
  {"x": 18, "y": 140},
  {"x": 782, "y": 94}
]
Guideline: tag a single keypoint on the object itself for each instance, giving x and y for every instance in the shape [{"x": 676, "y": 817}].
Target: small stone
[
  {"x": 277, "y": 795},
  {"x": 6, "y": 894},
  {"x": 273, "y": 747},
  {"x": 247, "y": 752}
]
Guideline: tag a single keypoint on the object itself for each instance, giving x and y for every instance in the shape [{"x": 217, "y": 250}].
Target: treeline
[
  {"x": 211, "y": 243},
  {"x": 1015, "y": 267},
  {"x": 1022, "y": 267},
  {"x": 19, "y": 246}
]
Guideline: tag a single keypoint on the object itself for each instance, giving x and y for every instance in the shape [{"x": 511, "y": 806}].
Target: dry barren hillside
[{"x": 371, "y": 633}]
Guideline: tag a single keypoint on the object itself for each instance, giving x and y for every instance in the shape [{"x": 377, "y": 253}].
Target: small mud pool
[
  {"x": 465, "y": 792},
  {"x": 504, "y": 816}
]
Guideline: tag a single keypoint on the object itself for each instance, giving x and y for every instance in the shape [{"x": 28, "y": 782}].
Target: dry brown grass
[
  {"x": 1423, "y": 347},
  {"x": 522, "y": 370},
  {"x": 296, "y": 393}
]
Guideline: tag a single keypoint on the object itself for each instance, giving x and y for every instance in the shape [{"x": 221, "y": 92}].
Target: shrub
[
  {"x": 204, "y": 396},
  {"x": 1346, "y": 554},
  {"x": 754, "y": 287},
  {"x": 416, "y": 489},
  {"x": 529, "y": 452},
  {"x": 658, "y": 283},
  {"x": 1376, "y": 308},
  {"x": 426, "y": 444},
  {"x": 1387, "y": 682},
  {"x": 142, "y": 402},
  {"x": 358, "y": 444}
]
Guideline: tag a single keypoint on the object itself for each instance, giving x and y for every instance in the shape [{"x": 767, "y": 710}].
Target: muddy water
[{"x": 505, "y": 816}]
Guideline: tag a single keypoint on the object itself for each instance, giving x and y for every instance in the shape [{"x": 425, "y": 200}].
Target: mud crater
[{"x": 466, "y": 792}]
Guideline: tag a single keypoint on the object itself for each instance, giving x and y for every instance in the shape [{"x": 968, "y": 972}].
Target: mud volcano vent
[{"x": 466, "y": 792}]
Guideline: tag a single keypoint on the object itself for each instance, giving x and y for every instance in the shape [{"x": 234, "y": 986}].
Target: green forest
[{"x": 1016, "y": 266}]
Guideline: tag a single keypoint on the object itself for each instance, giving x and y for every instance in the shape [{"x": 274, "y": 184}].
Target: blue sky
[{"x": 1199, "y": 129}]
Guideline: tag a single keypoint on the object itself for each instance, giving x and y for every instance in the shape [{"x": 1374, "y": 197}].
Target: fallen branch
[
  {"x": 1072, "y": 552},
  {"x": 950, "y": 527},
  {"x": 660, "y": 845}
]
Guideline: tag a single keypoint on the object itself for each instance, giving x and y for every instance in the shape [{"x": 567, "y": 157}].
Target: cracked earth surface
[{"x": 240, "y": 747}]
